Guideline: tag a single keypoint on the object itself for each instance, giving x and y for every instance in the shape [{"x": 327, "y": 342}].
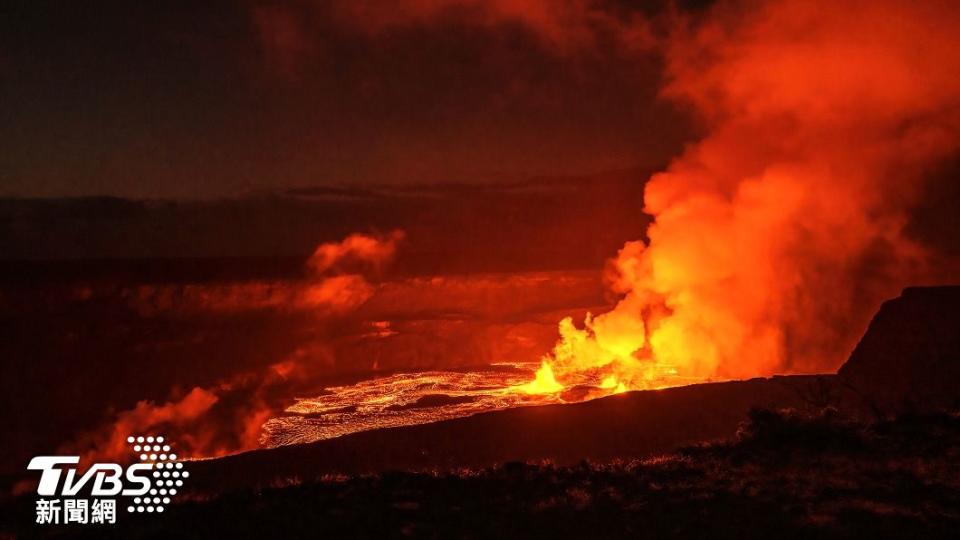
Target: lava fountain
[{"x": 778, "y": 233}]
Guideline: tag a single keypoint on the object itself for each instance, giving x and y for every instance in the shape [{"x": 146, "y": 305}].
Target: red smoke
[
  {"x": 226, "y": 417},
  {"x": 336, "y": 284},
  {"x": 110, "y": 443},
  {"x": 779, "y": 232},
  {"x": 370, "y": 251},
  {"x": 786, "y": 222}
]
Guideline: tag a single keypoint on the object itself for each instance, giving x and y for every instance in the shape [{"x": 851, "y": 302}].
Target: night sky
[{"x": 218, "y": 99}]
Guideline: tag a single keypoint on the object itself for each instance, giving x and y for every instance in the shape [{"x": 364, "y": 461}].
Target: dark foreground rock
[
  {"x": 909, "y": 358},
  {"x": 908, "y": 361},
  {"x": 630, "y": 425},
  {"x": 786, "y": 475},
  {"x": 849, "y": 472}
]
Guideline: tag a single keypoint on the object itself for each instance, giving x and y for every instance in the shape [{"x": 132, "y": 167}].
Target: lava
[
  {"x": 543, "y": 383},
  {"x": 778, "y": 233},
  {"x": 404, "y": 399}
]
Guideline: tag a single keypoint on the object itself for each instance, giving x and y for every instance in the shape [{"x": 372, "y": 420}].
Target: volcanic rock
[
  {"x": 908, "y": 361},
  {"x": 909, "y": 358}
]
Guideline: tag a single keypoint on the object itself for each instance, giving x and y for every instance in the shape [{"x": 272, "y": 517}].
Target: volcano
[
  {"x": 480, "y": 269},
  {"x": 823, "y": 456},
  {"x": 907, "y": 361}
]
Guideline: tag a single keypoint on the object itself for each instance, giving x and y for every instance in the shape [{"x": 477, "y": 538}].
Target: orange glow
[
  {"x": 372, "y": 251},
  {"x": 543, "y": 383},
  {"x": 778, "y": 233},
  {"x": 775, "y": 236},
  {"x": 211, "y": 421},
  {"x": 611, "y": 383}
]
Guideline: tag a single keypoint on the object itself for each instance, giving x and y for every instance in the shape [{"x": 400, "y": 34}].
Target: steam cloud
[
  {"x": 226, "y": 417},
  {"x": 778, "y": 233}
]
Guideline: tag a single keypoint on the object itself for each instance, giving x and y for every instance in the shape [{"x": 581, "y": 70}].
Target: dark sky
[{"x": 210, "y": 99}]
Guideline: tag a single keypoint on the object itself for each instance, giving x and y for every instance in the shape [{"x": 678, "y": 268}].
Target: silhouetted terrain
[
  {"x": 624, "y": 426},
  {"x": 835, "y": 464},
  {"x": 99, "y": 290},
  {"x": 785, "y": 475},
  {"x": 909, "y": 358},
  {"x": 922, "y": 349},
  {"x": 546, "y": 223}
]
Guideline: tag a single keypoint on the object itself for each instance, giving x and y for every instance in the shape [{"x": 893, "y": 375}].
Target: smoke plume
[
  {"x": 781, "y": 230},
  {"x": 226, "y": 417}
]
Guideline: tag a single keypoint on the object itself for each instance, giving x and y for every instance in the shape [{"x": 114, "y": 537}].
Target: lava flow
[
  {"x": 401, "y": 400},
  {"x": 419, "y": 398}
]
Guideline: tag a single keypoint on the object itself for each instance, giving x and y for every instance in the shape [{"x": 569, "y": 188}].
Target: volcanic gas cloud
[
  {"x": 780, "y": 231},
  {"x": 227, "y": 416}
]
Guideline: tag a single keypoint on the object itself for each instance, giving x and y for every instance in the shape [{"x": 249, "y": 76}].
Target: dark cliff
[{"x": 909, "y": 358}]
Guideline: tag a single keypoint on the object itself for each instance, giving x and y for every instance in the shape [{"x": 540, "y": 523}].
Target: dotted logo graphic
[{"x": 168, "y": 473}]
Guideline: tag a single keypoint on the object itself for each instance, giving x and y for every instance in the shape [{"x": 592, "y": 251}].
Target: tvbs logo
[{"x": 148, "y": 486}]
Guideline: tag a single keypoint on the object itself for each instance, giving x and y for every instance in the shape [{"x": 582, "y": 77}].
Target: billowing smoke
[
  {"x": 337, "y": 283},
  {"x": 226, "y": 417},
  {"x": 359, "y": 250},
  {"x": 779, "y": 233}
]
